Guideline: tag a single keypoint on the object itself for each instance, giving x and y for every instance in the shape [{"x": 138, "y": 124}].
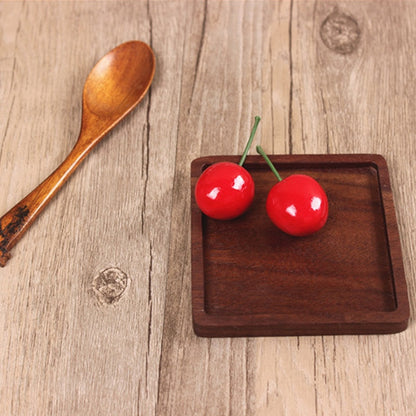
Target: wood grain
[{"x": 96, "y": 309}]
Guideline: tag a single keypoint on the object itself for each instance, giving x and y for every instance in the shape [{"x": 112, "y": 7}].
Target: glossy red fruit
[
  {"x": 224, "y": 191},
  {"x": 298, "y": 205}
]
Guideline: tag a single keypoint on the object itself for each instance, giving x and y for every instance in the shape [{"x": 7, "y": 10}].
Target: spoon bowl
[{"x": 116, "y": 84}]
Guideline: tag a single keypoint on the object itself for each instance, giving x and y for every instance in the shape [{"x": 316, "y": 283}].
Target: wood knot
[
  {"x": 109, "y": 285},
  {"x": 340, "y": 33}
]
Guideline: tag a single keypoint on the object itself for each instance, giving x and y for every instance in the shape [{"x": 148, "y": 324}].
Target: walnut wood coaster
[{"x": 251, "y": 279}]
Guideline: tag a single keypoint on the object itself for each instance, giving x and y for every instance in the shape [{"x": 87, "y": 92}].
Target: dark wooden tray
[{"x": 250, "y": 279}]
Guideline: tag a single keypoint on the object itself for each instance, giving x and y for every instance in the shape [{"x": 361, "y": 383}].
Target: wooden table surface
[{"x": 95, "y": 303}]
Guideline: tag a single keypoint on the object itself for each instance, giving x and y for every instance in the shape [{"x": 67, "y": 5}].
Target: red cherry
[
  {"x": 224, "y": 191},
  {"x": 297, "y": 205}
]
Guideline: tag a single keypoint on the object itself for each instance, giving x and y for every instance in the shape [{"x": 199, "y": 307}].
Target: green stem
[
  {"x": 250, "y": 140},
  {"x": 260, "y": 151}
]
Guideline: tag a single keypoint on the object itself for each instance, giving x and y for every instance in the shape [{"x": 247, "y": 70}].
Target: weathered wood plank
[{"x": 77, "y": 341}]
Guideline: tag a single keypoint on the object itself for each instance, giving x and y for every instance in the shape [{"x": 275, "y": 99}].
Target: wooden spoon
[{"x": 116, "y": 84}]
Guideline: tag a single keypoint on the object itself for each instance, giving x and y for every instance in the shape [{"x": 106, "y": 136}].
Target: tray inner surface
[{"x": 252, "y": 267}]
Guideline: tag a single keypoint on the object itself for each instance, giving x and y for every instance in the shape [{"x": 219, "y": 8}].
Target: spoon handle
[{"x": 14, "y": 223}]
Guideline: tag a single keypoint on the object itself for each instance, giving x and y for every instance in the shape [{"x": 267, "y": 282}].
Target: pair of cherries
[{"x": 297, "y": 204}]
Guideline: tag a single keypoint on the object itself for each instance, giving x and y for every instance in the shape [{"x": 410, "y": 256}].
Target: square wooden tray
[{"x": 251, "y": 279}]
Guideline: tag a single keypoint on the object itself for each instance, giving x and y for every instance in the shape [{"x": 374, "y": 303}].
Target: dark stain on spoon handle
[{"x": 11, "y": 225}]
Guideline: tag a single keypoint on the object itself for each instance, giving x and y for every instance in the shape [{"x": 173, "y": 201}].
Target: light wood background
[{"x": 74, "y": 344}]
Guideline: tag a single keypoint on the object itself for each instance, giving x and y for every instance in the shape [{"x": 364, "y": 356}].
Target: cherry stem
[
  {"x": 260, "y": 151},
  {"x": 250, "y": 140}
]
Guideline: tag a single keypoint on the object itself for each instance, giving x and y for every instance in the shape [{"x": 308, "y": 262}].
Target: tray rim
[{"x": 375, "y": 322}]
